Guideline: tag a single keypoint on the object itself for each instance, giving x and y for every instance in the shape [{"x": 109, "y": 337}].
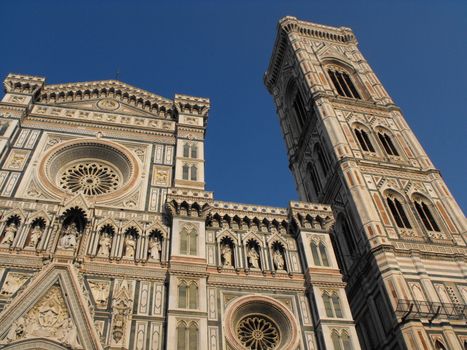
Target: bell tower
[{"x": 399, "y": 234}]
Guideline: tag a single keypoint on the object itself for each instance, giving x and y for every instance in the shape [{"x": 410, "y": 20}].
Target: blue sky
[{"x": 221, "y": 49}]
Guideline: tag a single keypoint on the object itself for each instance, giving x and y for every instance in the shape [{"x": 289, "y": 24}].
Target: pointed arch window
[
  {"x": 348, "y": 237},
  {"x": 188, "y": 242},
  {"x": 186, "y": 150},
  {"x": 189, "y": 172},
  {"x": 194, "y": 151},
  {"x": 186, "y": 172},
  {"x": 336, "y": 342},
  {"x": 364, "y": 140},
  {"x": 424, "y": 212},
  {"x": 194, "y": 173},
  {"x": 315, "y": 182},
  {"x": 343, "y": 84},
  {"x": 439, "y": 345},
  {"x": 188, "y": 295},
  {"x": 299, "y": 109},
  {"x": 387, "y": 143},
  {"x": 187, "y": 336},
  {"x": 319, "y": 252},
  {"x": 332, "y": 305},
  {"x": 190, "y": 150},
  {"x": 321, "y": 159},
  {"x": 346, "y": 342},
  {"x": 398, "y": 213},
  {"x": 341, "y": 341}
]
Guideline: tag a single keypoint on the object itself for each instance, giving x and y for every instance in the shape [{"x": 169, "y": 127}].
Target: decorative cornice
[
  {"x": 289, "y": 25},
  {"x": 311, "y": 216},
  {"x": 23, "y": 84},
  {"x": 197, "y": 106}
]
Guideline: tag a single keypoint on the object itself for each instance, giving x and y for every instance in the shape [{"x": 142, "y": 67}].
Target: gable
[
  {"x": 52, "y": 307},
  {"x": 107, "y": 96},
  {"x": 107, "y": 105}
]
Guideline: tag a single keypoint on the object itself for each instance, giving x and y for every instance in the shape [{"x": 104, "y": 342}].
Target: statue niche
[
  {"x": 74, "y": 223},
  {"x": 252, "y": 251},
  {"x": 278, "y": 257},
  {"x": 131, "y": 235},
  {"x": 9, "y": 233},
  {"x": 155, "y": 245},
  {"x": 35, "y": 234},
  {"x": 227, "y": 252},
  {"x": 106, "y": 235}
]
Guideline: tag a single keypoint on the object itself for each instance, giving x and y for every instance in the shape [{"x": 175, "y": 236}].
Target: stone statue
[
  {"x": 69, "y": 239},
  {"x": 17, "y": 330},
  {"x": 154, "y": 248},
  {"x": 130, "y": 245},
  {"x": 226, "y": 254},
  {"x": 100, "y": 291},
  {"x": 121, "y": 310},
  {"x": 70, "y": 333},
  {"x": 12, "y": 283},
  {"x": 10, "y": 232},
  {"x": 105, "y": 242},
  {"x": 253, "y": 258},
  {"x": 35, "y": 237},
  {"x": 278, "y": 259}
]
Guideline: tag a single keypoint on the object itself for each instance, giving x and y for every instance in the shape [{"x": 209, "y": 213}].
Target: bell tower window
[
  {"x": 426, "y": 216},
  {"x": 343, "y": 84},
  {"x": 398, "y": 213},
  {"x": 387, "y": 143},
  {"x": 364, "y": 140},
  {"x": 299, "y": 109}
]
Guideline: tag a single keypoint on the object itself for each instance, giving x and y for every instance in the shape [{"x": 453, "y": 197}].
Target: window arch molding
[
  {"x": 332, "y": 303},
  {"x": 397, "y": 205},
  {"x": 187, "y": 335},
  {"x": 189, "y": 240},
  {"x": 345, "y": 237},
  {"x": 314, "y": 179},
  {"x": 341, "y": 339},
  {"x": 320, "y": 159},
  {"x": 364, "y": 136},
  {"x": 320, "y": 252},
  {"x": 295, "y": 105},
  {"x": 427, "y": 213},
  {"x": 344, "y": 79},
  {"x": 188, "y": 294},
  {"x": 388, "y": 141}
]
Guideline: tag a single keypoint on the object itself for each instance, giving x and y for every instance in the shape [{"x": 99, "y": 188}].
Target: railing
[{"x": 416, "y": 309}]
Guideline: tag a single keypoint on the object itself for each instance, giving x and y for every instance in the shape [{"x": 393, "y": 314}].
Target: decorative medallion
[{"x": 108, "y": 104}]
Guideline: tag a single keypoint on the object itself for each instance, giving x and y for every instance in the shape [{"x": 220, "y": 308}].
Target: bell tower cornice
[{"x": 287, "y": 27}]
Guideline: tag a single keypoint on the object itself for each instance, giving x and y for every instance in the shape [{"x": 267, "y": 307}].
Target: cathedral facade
[
  {"x": 109, "y": 239},
  {"x": 399, "y": 235}
]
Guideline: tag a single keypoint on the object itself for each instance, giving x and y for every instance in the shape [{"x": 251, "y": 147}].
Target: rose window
[
  {"x": 258, "y": 333},
  {"x": 92, "y": 167},
  {"x": 90, "y": 178}
]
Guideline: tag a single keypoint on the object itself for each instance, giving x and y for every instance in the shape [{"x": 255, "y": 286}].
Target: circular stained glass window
[
  {"x": 257, "y": 332},
  {"x": 90, "y": 178},
  {"x": 92, "y": 167}
]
